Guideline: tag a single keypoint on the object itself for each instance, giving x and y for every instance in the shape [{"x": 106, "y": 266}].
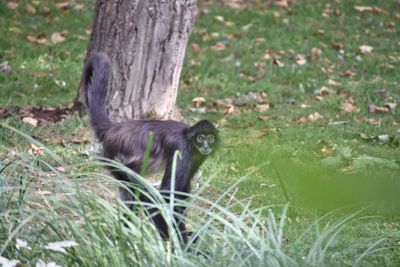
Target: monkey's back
[{"x": 127, "y": 141}]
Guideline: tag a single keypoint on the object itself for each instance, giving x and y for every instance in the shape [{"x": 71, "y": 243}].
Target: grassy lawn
[{"x": 325, "y": 134}]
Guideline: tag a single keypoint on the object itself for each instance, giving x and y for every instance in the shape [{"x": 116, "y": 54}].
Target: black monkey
[{"x": 127, "y": 141}]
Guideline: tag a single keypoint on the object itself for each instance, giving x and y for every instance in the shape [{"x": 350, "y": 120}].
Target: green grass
[{"x": 263, "y": 152}]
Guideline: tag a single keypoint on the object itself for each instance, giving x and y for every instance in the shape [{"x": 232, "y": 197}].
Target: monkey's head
[{"x": 204, "y": 137}]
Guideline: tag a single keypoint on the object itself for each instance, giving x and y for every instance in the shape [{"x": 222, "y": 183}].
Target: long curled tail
[{"x": 96, "y": 75}]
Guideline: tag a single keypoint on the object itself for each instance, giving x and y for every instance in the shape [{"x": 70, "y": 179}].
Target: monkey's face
[{"x": 204, "y": 143}]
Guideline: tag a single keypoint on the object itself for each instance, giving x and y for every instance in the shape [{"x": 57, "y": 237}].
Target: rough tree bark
[{"x": 146, "y": 41}]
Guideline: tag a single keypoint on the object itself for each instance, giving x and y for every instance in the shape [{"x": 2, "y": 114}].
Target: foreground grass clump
[
  {"x": 50, "y": 214},
  {"x": 322, "y": 138}
]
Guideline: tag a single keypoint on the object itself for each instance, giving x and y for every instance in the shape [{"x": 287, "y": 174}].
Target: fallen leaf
[
  {"x": 337, "y": 46},
  {"x": 364, "y": 136},
  {"x": 63, "y": 5},
  {"x": 230, "y": 109},
  {"x": 371, "y": 9},
  {"x": 391, "y": 105},
  {"x": 263, "y": 107},
  {"x": 29, "y": 120},
  {"x": 375, "y": 109},
  {"x": 36, "y": 150},
  {"x": 12, "y": 5},
  {"x": 229, "y": 23},
  {"x": 278, "y": 63},
  {"x": 365, "y": 49},
  {"x": 198, "y": 101},
  {"x": 323, "y": 91},
  {"x": 349, "y": 107},
  {"x": 333, "y": 82},
  {"x": 57, "y": 37},
  {"x": 282, "y": 3},
  {"x": 373, "y": 122},
  {"x": 347, "y": 73},
  {"x": 30, "y": 9},
  {"x": 60, "y": 169},
  {"x": 319, "y": 97},
  {"x": 219, "y": 18},
  {"x": 196, "y": 48},
  {"x": 38, "y": 39},
  {"x": 315, "y": 53},
  {"x": 301, "y": 59},
  {"x": 218, "y": 47},
  {"x": 79, "y": 7},
  {"x": 235, "y": 4},
  {"x": 315, "y": 116},
  {"x": 327, "y": 150}
]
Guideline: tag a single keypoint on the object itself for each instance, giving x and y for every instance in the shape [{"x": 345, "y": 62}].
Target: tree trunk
[{"x": 146, "y": 41}]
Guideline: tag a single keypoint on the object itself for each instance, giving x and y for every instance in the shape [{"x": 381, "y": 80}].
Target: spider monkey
[{"x": 126, "y": 142}]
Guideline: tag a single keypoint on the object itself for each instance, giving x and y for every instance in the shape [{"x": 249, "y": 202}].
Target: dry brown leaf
[
  {"x": 198, "y": 101},
  {"x": 373, "y": 122},
  {"x": 230, "y": 109},
  {"x": 60, "y": 169},
  {"x": 371, "y": 9},
  {"x": 278, "y": 63},
  {"x": 266, "y": 55},
  {"x": 57, "y": 37},
  {"x": 347, "y": 73},
  {"x": 391, "y": 105},
  {"x": 63, "y": 5},
  {"x": 349, "y": 107},
  {"x": 301, "y": 59},
  {"x": 365, "y": 49},
  {"x": 218, "y": 47},
  {"x": 333, "y": 82},
  {"x": 337, "y": 46},
  {"x": 315, "y": 116},
  {"x": 219, "y": 18},
  {"x": 29, "y": 120},
  {"x": 282, "y": 3},
  {"x": 38, "y": 151},
  {"x": 196, "y": 48},
  {"x": 327, "y": 150},
  {"x": 12, "y": 5},
  {"x": 302, "y": 120},
  {"x": 235, "y": 4},
  {"x": 263, "y": 107},
  {"x": 30, "y": 9},
  {"x": 315, "y": 53},
  {"x": 79, "y": 7},
  {"x": 375, "y": 109},
  {"x": 38, "y": 39},
  {"x": 323, "y": 91}
]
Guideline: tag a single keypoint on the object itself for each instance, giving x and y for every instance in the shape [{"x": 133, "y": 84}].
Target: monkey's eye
[
  {"x": 210, "y": 138},
  {"x": 200, "y": 138}
]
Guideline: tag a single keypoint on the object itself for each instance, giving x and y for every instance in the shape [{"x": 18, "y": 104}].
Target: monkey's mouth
[{"x": 205, "y": 151}]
